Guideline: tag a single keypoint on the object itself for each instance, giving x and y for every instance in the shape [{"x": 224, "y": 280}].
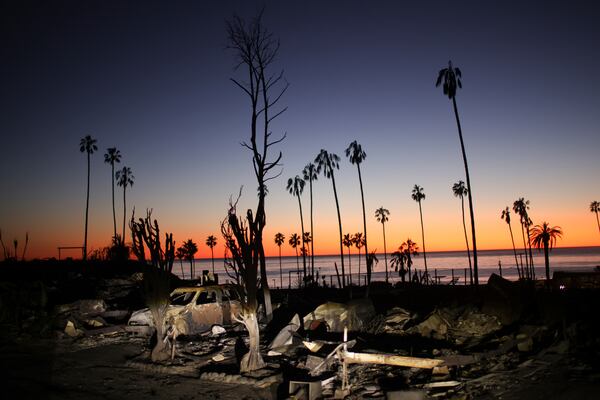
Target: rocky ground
[{"x": 63, "y": 337}]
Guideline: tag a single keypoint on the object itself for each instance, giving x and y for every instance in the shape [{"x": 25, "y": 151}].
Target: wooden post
[
  {"x": 452, "y": 275},
  {"x": 465, "y": 277},
  {"x": 435, "y": 276},
  {"x": 289, "y": 279},
  {"x": 344, "y": 364}
]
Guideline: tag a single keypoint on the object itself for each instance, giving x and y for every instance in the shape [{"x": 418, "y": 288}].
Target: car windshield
[{"x": 181, "y": 299}]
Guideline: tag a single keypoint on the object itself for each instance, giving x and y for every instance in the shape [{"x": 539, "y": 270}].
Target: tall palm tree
[
  {"x": 382, "y": 216},
  {"x": 357, "y": 155},
  {"x": 359, "y": 242},
  {"x": 180, "y": 254},
  {"x": 124, "y": 178},
  {"x": 189, "y": 250},
  {"x": 506, "y": 217},
  {"x": 279, "y": 239},
  {"x": 410, "y": 249},
  {"x": 88, "y": 145},
  {"x": 328, "y": 162},
  {"x": 307, "y": 239},
  {"x": 294, "y": 241},
  {"x": 295, "y": 187},
  {"x": 461, "y": 191},
  {"x": 418, "y": 195},
  {"x": 348, "y": 242},
  {"x": 452, "y": 80},
  {"x": 309, "y": 174},
  {"x": 211, "y": 242},
  {"x": 544, "y": 235},
  {"x": 111, "y": 157},
  {"x": 520, "y": 207},
  {"x": 595, "y": 207}
]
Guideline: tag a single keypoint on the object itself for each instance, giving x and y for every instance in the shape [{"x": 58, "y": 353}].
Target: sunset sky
[{"x": 154, "y": 81}]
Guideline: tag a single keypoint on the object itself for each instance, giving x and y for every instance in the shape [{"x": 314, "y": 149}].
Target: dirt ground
[{"x": 50, "y": 370}]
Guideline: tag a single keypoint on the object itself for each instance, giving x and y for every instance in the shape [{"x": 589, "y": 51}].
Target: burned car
[{"x": 193, "y": 310}]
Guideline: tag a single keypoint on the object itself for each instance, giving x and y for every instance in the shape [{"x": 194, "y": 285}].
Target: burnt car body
[{"x": 193, "y": 310}]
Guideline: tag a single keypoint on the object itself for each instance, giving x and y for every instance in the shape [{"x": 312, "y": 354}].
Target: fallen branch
[{"x": 389, "y": 359}]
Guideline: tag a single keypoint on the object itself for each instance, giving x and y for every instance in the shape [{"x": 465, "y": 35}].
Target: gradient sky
[{"x": 154, "y": 82}]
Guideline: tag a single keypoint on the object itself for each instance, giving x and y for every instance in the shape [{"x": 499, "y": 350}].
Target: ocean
[{"x": 443, "y": 264}]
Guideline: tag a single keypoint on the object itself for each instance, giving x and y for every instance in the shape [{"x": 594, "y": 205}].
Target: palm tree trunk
[
  {"x": 385, "y": 254},
  {"x": 530, "y": 253},
  {"x": 462, "y": 205},
  {"x": 112, "y": 181},
  {"x": 337, "y": 206},
  {"x": 597, "y": 221},
  {"x": 87, "y": 206},
  {"x": 362, "y": 197},
  {"x": 212, "y": 256},
  {"x": 312, "y": 232},
  {"x": 124, "y": 212},
  {"x": 423, "y": 238},
  {"x": 280, "y": 270},
  {"x": 181, "y": 265},
  {"x": 358, "y": 248},
  {"x": 547, "y": 261},
  {"x": 514, "y": 248},
  {"x": 350, "y": 267},
  {"x": 297, "y": 266},
  {"x": 303, "y": 243},
  {"x": 469, "y": 194},
  {"x": 526, "y": 271}
]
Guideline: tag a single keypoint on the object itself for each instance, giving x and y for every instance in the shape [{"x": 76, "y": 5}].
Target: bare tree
[{"x": 256, "y": 49}]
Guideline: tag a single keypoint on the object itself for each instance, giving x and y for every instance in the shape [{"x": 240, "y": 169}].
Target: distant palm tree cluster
[
  {"x": 123, "y": 178},
  {"x": 540, "y": 236}
]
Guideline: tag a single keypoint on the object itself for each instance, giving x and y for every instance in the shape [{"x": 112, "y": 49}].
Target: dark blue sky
[{"x": 153, "y": 80}]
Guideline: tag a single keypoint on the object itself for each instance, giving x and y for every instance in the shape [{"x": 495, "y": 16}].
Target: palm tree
[
  {"x": 348, "y": 242},
  {"x": 309, "y": 174},
  {"x": 452, "y": 79},
  {"x": 595, "y": 207},
  {"x": 211, "y": 242},
  {"x": 398, "y": 261},
  {"x": 295, "y": 187},
  {"x": 410, "y": 249},
  {"x": 88, "y": 145},
  {"x": 328, "y": 162},
  {"x": 180, "y": 254},
  {"x": 418, "y": 195},
  {"x": 460, "y": 190},
  {"x": 111, "y": 157},
  {"x": 189, "y": 250},
  {"x": 124, "y": 178},
  {"x": 359, "y": 242},
  {"x": 382, "y": 216},
  {"x": 294, "y": 241},
  {"x": 307, "y": 239},
  {"x": 544, "y": 235},
  {"x": 506, "y": 216},
  {"x": 520, "y": 207},
  {"x": 357, "y": 155},
  {"x": 279, "y": 239}
]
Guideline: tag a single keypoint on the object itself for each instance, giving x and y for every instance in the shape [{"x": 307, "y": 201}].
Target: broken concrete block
[
  {"x": 217, "y": 330},
  {"x": 95, "y": 322},
  {"x": 72, "y": 330}
]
